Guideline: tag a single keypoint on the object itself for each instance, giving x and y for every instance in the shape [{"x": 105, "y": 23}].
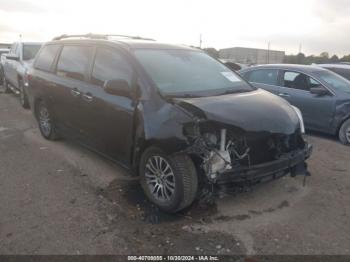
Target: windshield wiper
[
  {"x": 182, "y": 95},
  {"x": 234, "y": 91}
]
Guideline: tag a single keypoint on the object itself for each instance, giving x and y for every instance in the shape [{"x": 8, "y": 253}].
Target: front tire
[
  {"x": 170, "y": 182},
  {"x": 344, "y": 133},
  {"x": 46, "y": 122}
]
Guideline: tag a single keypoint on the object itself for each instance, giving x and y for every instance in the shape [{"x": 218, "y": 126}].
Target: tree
[
  {"x": 346, "y": 58},
  {"x": 334, "y": 58},
  {"x": 301, "y": 58},
  {"x": 212, "y": 52},
  {"x": 324, "y": 55}
]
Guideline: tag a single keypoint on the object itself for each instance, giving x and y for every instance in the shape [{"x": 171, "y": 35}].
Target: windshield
[
  {"x": 189, "y": 73},
  {"x": 29, "y": 51},
  {"x": 335, "y": 81}
]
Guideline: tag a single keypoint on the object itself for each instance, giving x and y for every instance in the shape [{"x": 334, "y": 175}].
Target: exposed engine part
[
  {"x": 218, "y": 160},
  {"x": 223, "y": 140},
  {"x": 218, "y": 155}
]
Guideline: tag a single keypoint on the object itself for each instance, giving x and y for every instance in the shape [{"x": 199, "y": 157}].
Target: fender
[
  {"x": 342, "y": 113},
  {"x": 162, "y": 127}
]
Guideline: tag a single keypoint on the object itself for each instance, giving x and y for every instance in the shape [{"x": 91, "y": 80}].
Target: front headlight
[{"x": 301, "y": 120}]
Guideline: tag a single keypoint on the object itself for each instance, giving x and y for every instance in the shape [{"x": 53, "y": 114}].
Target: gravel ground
[{"x": 59, "y": 198}]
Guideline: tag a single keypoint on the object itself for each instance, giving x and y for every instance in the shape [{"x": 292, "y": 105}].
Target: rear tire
[
  {"x": 175, "y": 175},
  {"x": 23, "y": 95},
  {"x": 344, "y": 133},
  {"x": 46, "y": 122}
]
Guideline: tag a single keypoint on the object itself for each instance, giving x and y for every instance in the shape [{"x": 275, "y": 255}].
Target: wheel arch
[
  {"x": 341, "y": 123},
  {"x": 36, "y": 103}
]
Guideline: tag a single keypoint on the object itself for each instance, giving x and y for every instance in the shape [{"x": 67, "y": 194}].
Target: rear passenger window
[
  {"x": 110, "y": 65},
  {"x": 74, "y": 61},
  {"x": 46, "y": 57},
  {"x": 264, "y": 76}
]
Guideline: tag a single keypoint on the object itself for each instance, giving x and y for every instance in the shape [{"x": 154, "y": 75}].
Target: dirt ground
[{"x": 59, "y": 198}]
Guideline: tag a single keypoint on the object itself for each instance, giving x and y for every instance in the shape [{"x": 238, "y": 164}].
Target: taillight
[{"x": 27, "y": 77}]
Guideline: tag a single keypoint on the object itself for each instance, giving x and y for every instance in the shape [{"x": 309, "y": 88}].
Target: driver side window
[{"x": 110, "y": 65}]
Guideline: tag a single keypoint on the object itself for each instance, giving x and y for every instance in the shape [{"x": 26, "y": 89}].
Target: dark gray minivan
[
  {"x": 172, "y": 115},
  {"x": 322, "y": 96}
]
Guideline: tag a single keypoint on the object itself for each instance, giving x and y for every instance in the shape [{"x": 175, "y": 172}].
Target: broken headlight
[{"x": 301, "y": 120}]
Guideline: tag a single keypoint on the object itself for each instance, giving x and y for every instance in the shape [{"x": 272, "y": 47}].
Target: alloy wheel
[
  {"x": 347, "y": 134},
  {"x": 44, "y": 121},
  {"x": 160, "y": 178}
]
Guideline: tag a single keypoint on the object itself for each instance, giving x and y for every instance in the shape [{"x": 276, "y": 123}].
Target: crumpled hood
[{"x": 252, "y": 111}]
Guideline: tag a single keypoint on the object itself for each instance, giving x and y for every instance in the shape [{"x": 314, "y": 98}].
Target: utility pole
[
  {"x": 200, "y": 41},
  {"x": 268, "y": 53}
]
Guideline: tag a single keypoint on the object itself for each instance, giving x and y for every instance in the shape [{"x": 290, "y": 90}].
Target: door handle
[
  {"x": 88, "y": 97},
  {"x": 284, "y": 95},
  {"x": 75, "y": 92}
]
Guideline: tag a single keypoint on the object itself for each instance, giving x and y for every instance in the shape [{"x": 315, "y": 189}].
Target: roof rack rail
[{"x": 100, "y": 36}]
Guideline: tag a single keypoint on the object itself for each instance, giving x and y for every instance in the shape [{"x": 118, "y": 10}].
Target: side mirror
[
  {"x": 12, "y": 57},
  {"x": 118, "y": 87},
  {"x": 320, "y": 91}
]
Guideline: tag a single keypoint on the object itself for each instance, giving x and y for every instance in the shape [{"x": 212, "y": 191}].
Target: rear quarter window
[
  {"x": 263, "y": 76},
  {"x": 46, "y": 57}
]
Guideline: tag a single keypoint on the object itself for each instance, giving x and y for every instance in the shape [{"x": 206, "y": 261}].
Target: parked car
[
  {"x": 2, "y": 52},
  {"x": 173, "y": 115},
  {"x": 340, "y": 69},
  {"x": 15, "y": 64},
  {"x": 322, "y": 96},
  {"x": 233, "y": 65}
]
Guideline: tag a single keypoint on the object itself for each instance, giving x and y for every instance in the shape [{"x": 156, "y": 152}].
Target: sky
[{"x": 316, "y": 25}]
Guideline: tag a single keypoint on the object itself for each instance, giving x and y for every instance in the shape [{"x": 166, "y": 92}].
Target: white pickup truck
[{"x": 15, "y": 64}]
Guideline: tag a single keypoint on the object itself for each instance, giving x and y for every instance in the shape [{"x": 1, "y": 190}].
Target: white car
[{"x": 15, "y": 64}]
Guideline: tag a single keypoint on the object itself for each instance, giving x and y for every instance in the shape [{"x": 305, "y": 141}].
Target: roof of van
[{"x": 128, "y": 43}]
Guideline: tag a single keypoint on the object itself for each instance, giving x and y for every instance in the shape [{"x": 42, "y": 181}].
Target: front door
[
  {"x": 317, "y": 110},
  {"x": 107, "y": 122}
]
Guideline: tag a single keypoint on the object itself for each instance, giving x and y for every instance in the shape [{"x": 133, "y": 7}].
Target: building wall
[{"x": 252, "y": 55}]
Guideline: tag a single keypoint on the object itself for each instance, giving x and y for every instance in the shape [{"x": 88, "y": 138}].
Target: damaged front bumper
[{"x": 293, "y": 163}]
